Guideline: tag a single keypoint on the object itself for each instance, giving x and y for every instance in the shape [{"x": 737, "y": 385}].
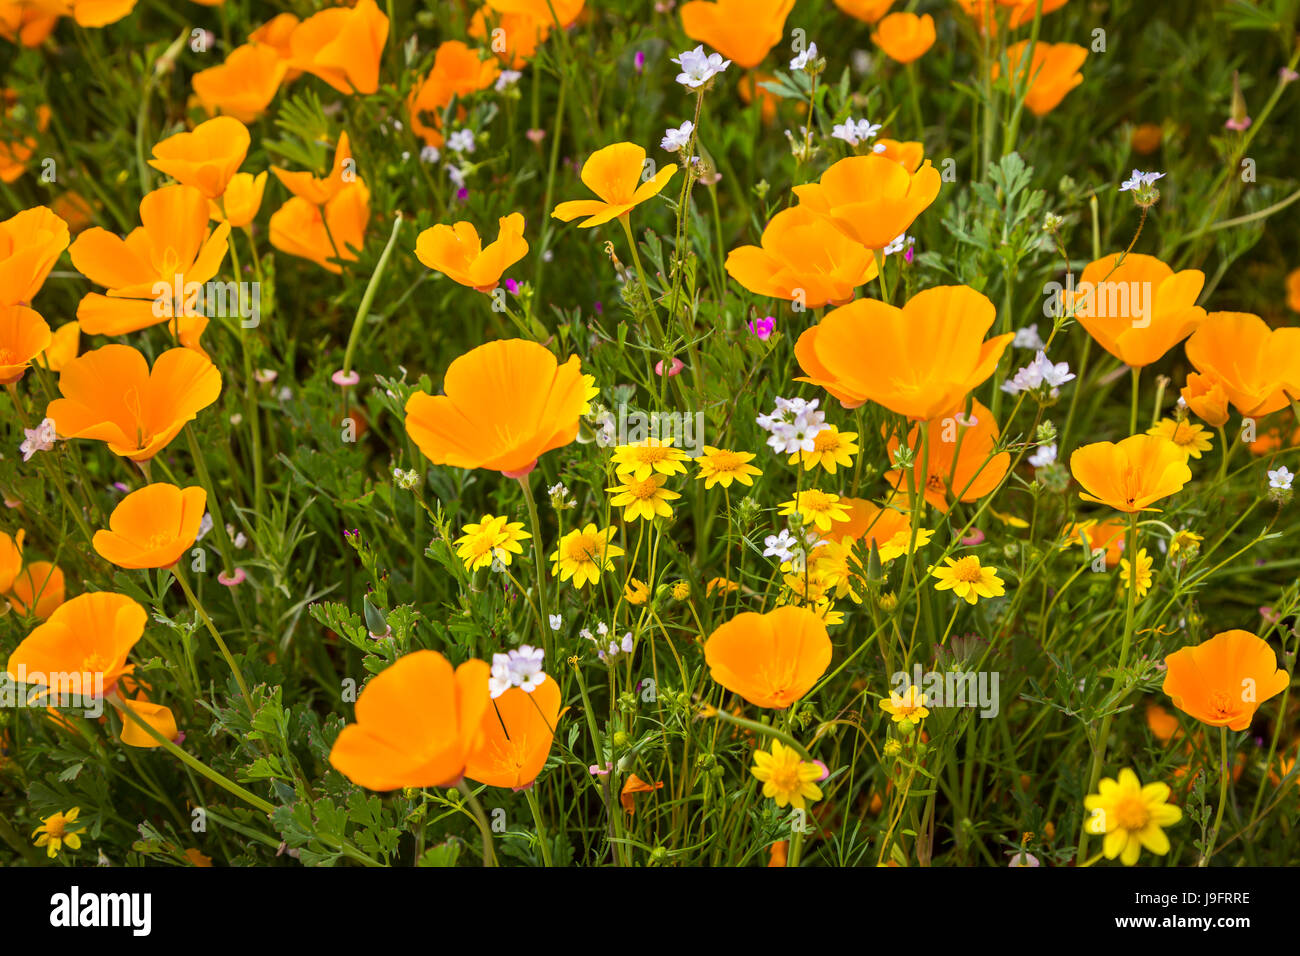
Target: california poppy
[
  {"x": 16, "y": 153},
  {"x": 458, "y": 70},
  {"x": 904, "y": 36},
  {"x": 923, "y": 359},
  {"x": 241, "y": 200},
  {"x": 960, "y": 465},
  {"x": 30, "y": 243},
  {"x": 518, "y": 728},
  {"x": 504, "y": 405},
  {"x": 11, "y": 557},
  {"x": 38, "y": 590},
  {"x": 518, "y": 37},
  {"x": 321, "y": 189},
  {"x": 743, "y": 31},
  {"x": 868, "y": 11},
  {"x": 23, "y": 336},
  {"x": 1206, "y": 398},
  {"x": 276, "y": 33},
  {"x": 804, "y": 258},
  {"x": 327, "y": 235},
  {"x": 99, "y": 13},
  {"x": 1222, "y": 681},
  {"x": 206, "y": 157},
  {"x": 1132, "y": 474},
  {"x": 871, "y": 198},
  {"x": 906, "y": 154},
  {"x": 152, "y": 526},
  {"x": 1052, "y": 72},
  {"x": 157, "y": 716},
  {"x": 613, "y": 174},
  {"x": 111, "y": 395},
  {"x": 92, "y": 633},
  {"x": 631, "y": 787},
  {"x": 172, "y": 250},
  {"x": 1253, "y": 364},
  {"x": 549, "y": 11},
  {"x": 770, "y": 659},
  {"x": 27, "y": 23},
  {"x": 342, "y": 46},
  {"x": 458, "y": 252},
  {"x": 1139, "y": 310},
  {"x": 418, "y": 722},
  {"x": 244, "y": 85}
]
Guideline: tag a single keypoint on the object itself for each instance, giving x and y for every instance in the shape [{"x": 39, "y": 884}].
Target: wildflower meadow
[{"x": 547, "y": 433}]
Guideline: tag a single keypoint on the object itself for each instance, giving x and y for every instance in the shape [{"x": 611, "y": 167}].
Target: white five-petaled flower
[
  {"x": 40, "y": 438},
  {"x": 898, "y": 245},
  {"x": 854, "y": 131},
  {"x": 520, "y": 667},
  {"x": 1028, "y": 338},
  {"x": 507, "y": 78},
  {"x": 429, "y": 154},
  {"x": 793, "y": 425},
  {"x": 557, "y": 621},
  {"x": 1280, "y": 478},
  {"x": 699, "y": 67},
  {"x": 461, "y": 141},
  {"x": 1139, "y": 179},
  {"x": 1041, "y": 371},
  {"x": 803, "y": 59},
  {"x": 1044, "y": 456},
  {"x": 677, "y": 139}
]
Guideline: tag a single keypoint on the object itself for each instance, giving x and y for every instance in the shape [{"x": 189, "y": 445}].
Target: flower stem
[
  {"x": 1223, "y": 796},
  {"x": 368, "y": 296},
  {"x": 489, "y": 854}
]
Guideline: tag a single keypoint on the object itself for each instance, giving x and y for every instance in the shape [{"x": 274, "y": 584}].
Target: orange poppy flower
[
  {"x": 1162, "y": 724},
  {"x": 298, "y": 228},
  {"x": 110, "y": 395},
  {"x": 206, "y": 157},
  {"x": 30, "y": 243},
  {"x": 770, "y": 659},
  {"x": 321, "y": 189},
  {"x": 960, "y": 465},
  {"x": 565, "y": 11},
  {"x": 157, "y": 716},
  {"x": 924, "y": 359},
  {"x": 908, "y": 155},
  {"x": 342, "y": 46},
  {"x": 11, "y": 558},
  {"x": 805, "y": 258},
  {"x": 152, "y": 526},
  {"x": 1206, "y": 398},
  {"x": 418, "y": 722},
  {"x": 1139, "y": 310},
  {"x": 504, "y": 405},
  {"x": 172, "y": 249},
  {"x": 23, "y": 336},
  {"x": 457, "y": 72},
  {"x": 1049, "y": 75},
  {"x": 1293, "y": 290},
  {"x": 1129, "y": 475},
  {"x": 29, "y": 23},
  {"x": 458, "y": 252},
  {"x": 92, "y": 633},
  {"x": 1253, "y": 364},
  {"x": 614, "y": 174},
  {"x": 514, "y": 36},
  {"x": 276, "y": 34},
  {"x": 904, "y": 36},
  {"x": 518, "y": 728},
  {"x": 868, "y": 11},
  {"x": 1108, "y": 536},
  {"x": 244, "y": 85},
  {"x": 1222, "y": 681},
  {"x": 871, "y": 198},
  {"x": 633, "y": 786},
  {"x": 743, "y": 31},
  {"x": 241, "y": 200},
  {"x": 1145, "y": 139},
  {"x": 38, "y": 590}
]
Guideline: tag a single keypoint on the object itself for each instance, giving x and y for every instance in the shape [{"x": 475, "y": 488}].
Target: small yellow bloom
[
  {"x": 721, "y": 467},
  {"x": 968, "y": 579},
  {"x": 491, "y": 538},
  {"x": 583, "y": 554},
  {"x": 1185, "y": 542},
  {"x": 642, "y": 459},
  {"x": 636, "y": 592},
  {"x": 909, "y": 705},
  {"x": 643, "y": 498},
  {"x": 1190, "y": 437},
  {"x": 1143, "y": 573},
  {"x": 832, "y": 449},
  {"x": 721, "y": 586},
  {"x": 55, "y": 835},
  {"x": 817, "y": 508},
  {"x": 681, "y": 591},
  {"x": 787, "y": 779},
  {"x": 1131, "y": 816}
]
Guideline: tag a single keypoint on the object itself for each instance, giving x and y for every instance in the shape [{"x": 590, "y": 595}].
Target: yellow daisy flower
[
  {"x": 816, "y": 507},
  {"x": 583, "y": 554},
  {"x": 968, "y": 579},
  {"x": 832, "y": 449},
  {"x": 642, "y": 498},
  {"x": 909, "y": 705},
  {"x": 721, "y": 467},
  {"x": 896, "y": 546},
  {"x": 491, "y": 538},
  {"x": 54, "y": 832},
  {"x": 592, "y": 391},
  {"x": 1130, "y": 816},
  {"x": 1185, "y": 541},
  {"x": 642, "y": 459},
  {"x": 1144, "y": 575},
  {"x": 1190, "y": 437},
  {"x": 787, "y": 778}
]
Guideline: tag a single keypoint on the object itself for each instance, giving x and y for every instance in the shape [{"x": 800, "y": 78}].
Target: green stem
[{"x": 368, "y": 296}]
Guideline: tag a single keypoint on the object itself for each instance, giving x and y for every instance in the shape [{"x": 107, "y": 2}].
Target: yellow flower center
[
  {"x": 828, "y": 439},
  {"x": 650, "y": 454},
  {"x": 815, "y": 500},
  {"x": 94, "y": 663},
  {"x": 642, "y": 490},
  {"x": 55, "y": 826},
  {"x": 1131, "y": 813},
  {"x": 725, "y": 461},
  {"x": 785, "y": 777},
  {"x": 968, "y": 570},
  {"x": 583, "y": 548},
  {"x": 1221, "y": 704}
]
